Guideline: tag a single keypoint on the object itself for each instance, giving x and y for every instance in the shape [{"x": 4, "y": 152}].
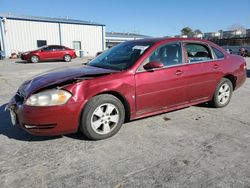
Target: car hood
[
  {"x": 29, "y": 52},
  {"x": 59, "y": 76}
]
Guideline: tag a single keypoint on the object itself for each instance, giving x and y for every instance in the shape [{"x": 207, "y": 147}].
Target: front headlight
[{"x": 50, "y": 97}]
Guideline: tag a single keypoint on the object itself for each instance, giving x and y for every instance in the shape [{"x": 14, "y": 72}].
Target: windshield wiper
[
  {"x": 109, "y": 68},
  {"x": 97, "y": 66}
]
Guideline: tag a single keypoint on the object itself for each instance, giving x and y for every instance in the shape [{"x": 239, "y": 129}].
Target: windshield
[
  {"x": 42, "y": 47},
  {"x": 122, "y": 56}
]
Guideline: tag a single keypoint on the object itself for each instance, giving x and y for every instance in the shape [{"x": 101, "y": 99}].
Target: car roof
[
  {"x": 55, "y": 45},
  {"x": 165, "y": 39}
]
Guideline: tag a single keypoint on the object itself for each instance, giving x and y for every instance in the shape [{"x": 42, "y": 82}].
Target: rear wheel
[
  {"x": 34, "y": 59},
  {"x": 67, "y": 58},
  {"x": 223, "y": 93},
  {"x": 102, "y": 117}
]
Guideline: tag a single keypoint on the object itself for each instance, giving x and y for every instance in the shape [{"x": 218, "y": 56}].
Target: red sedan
[
  {"x": 132, "y": 80},
  {"x": 51, "y": 52}
]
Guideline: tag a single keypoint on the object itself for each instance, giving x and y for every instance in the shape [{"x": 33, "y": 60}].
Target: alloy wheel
[
  {"x": 67, "y": 58},
  {"x": 105, "y": 118},
  {"x": 224, "y": 94},
  {"x": 34, "y": 59}
]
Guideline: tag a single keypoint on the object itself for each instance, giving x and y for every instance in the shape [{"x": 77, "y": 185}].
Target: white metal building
[
  {"x": 113, "y": 38},
  {"x": 22, "y": 33}
]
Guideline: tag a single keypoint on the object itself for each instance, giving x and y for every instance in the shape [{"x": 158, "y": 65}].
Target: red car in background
[
  {"x": 50, "y": 52},
  {"x": 132, "y": 80}
]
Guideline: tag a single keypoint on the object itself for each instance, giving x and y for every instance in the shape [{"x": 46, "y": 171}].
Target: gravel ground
[{"x": 197, "y": 146}]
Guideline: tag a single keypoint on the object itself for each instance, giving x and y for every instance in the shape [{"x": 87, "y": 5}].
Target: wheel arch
[
  {"x": 123, "y": 100},
  {"x": 35, "y": 54},
  {"x": 232, "y": 78}
]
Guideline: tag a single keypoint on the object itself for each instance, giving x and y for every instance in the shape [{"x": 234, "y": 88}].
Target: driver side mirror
[{"x": 153, "y": 65}]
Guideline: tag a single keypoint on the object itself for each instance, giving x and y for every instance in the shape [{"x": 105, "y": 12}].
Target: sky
[{"x": 148, "y": 17}]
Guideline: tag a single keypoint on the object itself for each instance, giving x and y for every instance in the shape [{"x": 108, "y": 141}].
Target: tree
[
  {"x": 187, "y": 31},
  {"x": 197, "y": 31},
  {"x": 237, "y": 27}
]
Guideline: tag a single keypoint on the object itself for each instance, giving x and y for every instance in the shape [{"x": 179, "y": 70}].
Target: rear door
[
  {"x": 59, "y": 52},
  {"x": 165, "y": 87},
  {"x": 203, "y": 71}
]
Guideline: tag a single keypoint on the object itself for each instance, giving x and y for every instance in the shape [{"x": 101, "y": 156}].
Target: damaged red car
[{"x": 132, "y": 80}]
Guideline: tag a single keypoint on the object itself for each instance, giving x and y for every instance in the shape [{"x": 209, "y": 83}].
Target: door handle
[
  {"x": 178, "y": 72},
  {"x": 216, "y": 66}
]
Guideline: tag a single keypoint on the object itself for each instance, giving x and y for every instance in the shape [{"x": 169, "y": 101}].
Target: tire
[
  {"x": 102, "y": 117},
  {"x": 34, "y": 59},
  {"x": 222, "y": 94},
  {"x": 67, "y": 58}
]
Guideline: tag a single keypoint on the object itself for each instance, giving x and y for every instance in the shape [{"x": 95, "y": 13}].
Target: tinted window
[
  {"x": 49, "y": 48},
  {"x": 198, "y": 52},
  {"x": 169, "y": 55},
  {"x": 218, "y": 53},
  {"x": 58, "y": 48}
]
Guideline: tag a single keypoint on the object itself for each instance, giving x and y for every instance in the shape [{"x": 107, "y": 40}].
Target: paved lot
[{"x": 194, "y": 147}]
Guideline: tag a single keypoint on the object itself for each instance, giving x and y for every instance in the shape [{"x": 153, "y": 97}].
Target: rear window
[
  {"x": 58, "y": 48},
  {"x": 218, "y": 53},
  {"x": 198, "y": 52}
]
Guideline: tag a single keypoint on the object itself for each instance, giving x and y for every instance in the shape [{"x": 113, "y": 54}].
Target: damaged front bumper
[{"x": 45, "y": 121}]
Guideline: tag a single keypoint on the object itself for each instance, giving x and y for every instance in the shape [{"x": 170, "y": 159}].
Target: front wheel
[
  {"x": 223, "y": 93},
  {"x": 34, "y": 59},
  {"x": 102, "y": 117},
  {"x": 67, "y": 58}
]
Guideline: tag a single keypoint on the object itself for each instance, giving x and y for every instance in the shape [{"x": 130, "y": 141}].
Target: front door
[
  {"x": 47, "y": 53},
  {"x": 165, "y": 87}
]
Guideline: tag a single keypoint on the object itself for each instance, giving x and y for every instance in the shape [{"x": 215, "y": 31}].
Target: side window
[
  {"x": 54, "y": 48},
  {"x": 198, "y": 52},
  {"x": 47, "y": 49},
  {"x": 169, "y": 55},
  {"x": 57, "y": 48},
  {"x": 218, "y": 53}
]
